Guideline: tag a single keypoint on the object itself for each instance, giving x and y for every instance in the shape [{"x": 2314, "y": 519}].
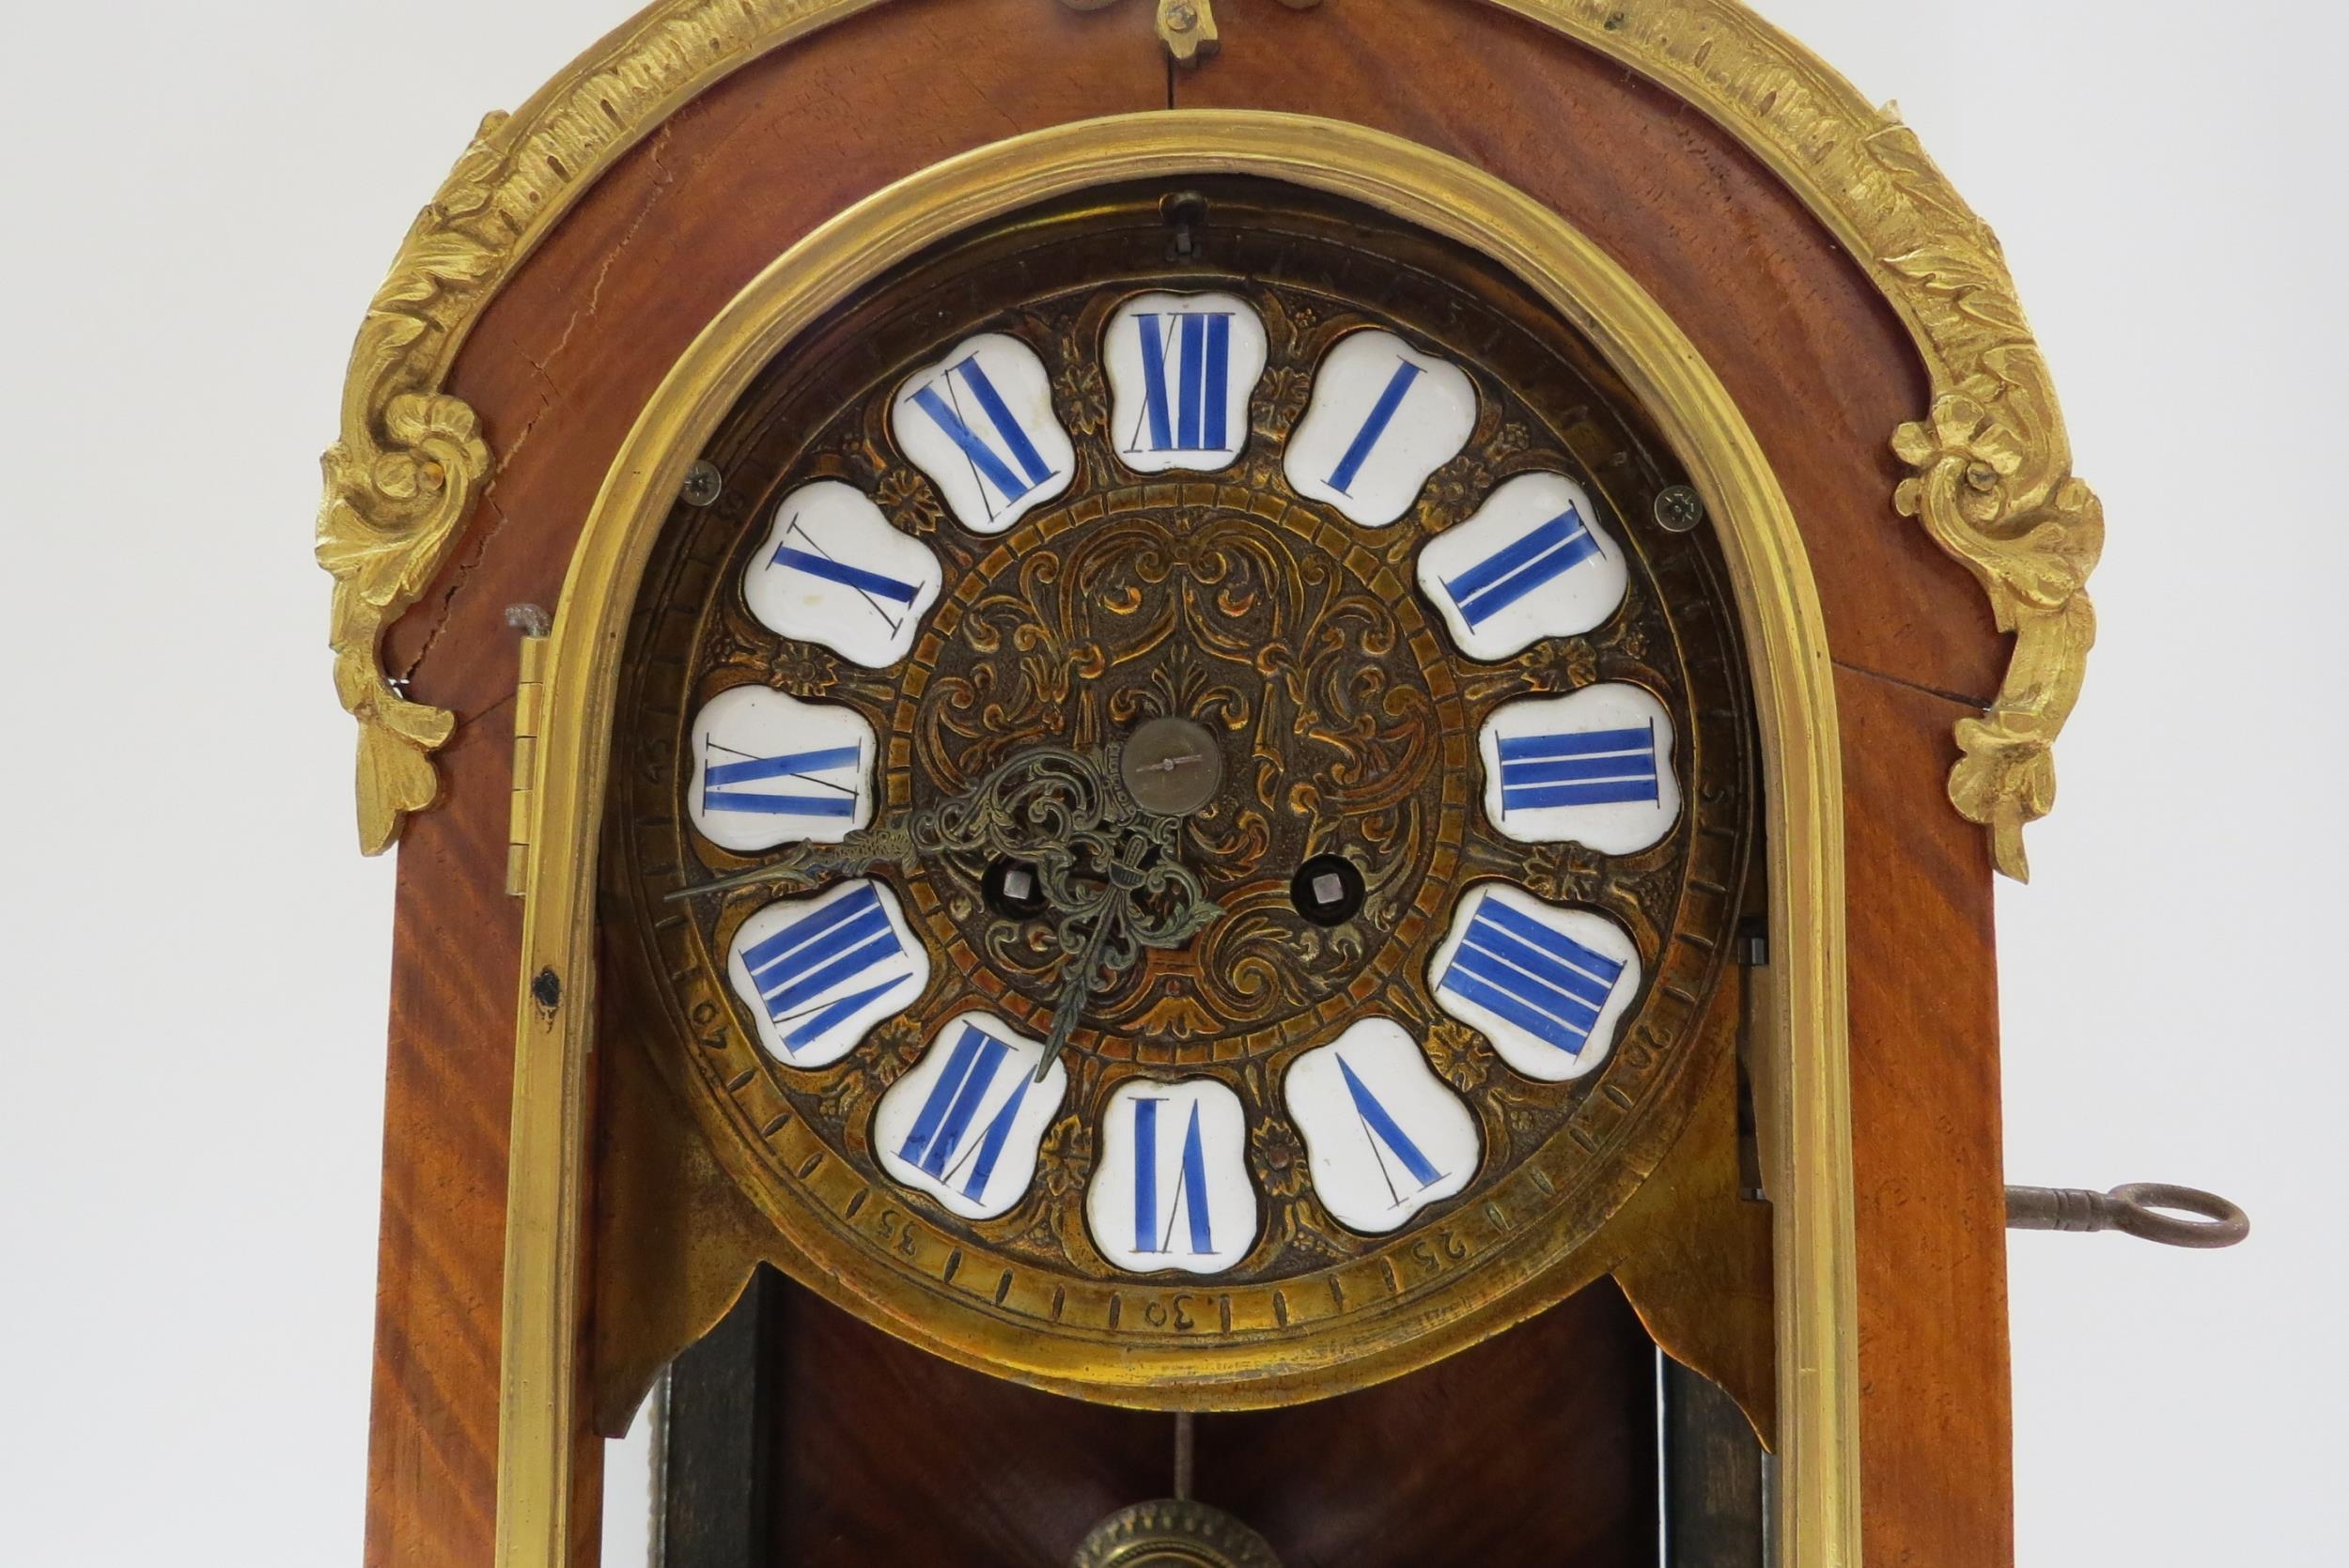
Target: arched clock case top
[{"x": 1347, "y": 715}]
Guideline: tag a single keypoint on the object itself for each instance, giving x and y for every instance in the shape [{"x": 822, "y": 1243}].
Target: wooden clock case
[{"x": 1853, "y": 310}]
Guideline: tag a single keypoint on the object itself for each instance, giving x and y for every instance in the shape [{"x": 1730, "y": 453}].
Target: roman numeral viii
[{"x": 800, "y": 970}]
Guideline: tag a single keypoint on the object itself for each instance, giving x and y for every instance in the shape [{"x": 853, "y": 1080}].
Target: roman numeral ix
[{"x": 722, "y": 781}]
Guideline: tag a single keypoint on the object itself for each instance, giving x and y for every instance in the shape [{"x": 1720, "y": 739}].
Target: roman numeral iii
[
  {"x": 1577, "y": 767},
  {"x": 1595, "y": 768}
]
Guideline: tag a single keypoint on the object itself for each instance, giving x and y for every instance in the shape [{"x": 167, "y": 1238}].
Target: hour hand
[
  {"x": 887, "y": 844},
  {"x": 1080, "y": 971}
]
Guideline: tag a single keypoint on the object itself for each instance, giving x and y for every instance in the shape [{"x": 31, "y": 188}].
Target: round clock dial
[{"x": 1180, "y": 813}]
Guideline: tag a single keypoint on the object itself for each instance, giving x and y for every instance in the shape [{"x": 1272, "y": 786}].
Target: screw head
[
  {"x": 703, "y": 485},
  {"x": 1982, "y": 476},
  {"x": 1181, "y": 18},
  {"x": 1679, "y": 508}
]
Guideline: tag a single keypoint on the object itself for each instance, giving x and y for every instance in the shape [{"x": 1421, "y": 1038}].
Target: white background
[{"x": 200, "y": 198}]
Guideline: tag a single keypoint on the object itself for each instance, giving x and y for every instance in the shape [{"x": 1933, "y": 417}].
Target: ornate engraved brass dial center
[{"x": 1250, "y": 618}]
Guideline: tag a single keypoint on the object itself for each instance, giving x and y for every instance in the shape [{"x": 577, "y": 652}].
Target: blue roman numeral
[
  {"x": 1380, "y": 1125},
  {"x": 1539, "y": 979},
  {"x": 944, "y": 1122},
  {"x": 1507, "y": 575},
  {"x": 1366, "y": 438},
  {"x": 1190, "y": 1200},
  {"x": 1194, "y": 418},
  {"x": 720, "y": 781},
  {"x": 799, "y": 966},
  {"x": 1593, "y": 768},
  {"x": 995, "y": 468},
  {"x": 871, "y": 587}
]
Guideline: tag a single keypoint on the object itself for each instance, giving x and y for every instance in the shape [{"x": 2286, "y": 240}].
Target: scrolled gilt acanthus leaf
[
  {"x": 411, "y": 461},
  {"x": 1992, "y": 490},
  {"x": 397, "y": 486},
  {"x": 401, "y": 481}
]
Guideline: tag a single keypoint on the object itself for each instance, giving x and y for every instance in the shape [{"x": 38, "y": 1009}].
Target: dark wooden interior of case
[
  {"x": 573, "y": 346},
  {"x": 799, "y": 1436}
]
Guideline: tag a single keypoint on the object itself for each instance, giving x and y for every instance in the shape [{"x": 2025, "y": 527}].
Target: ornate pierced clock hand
[
  {"x": 1039, "y": 788},
  {"x": 1140, "y": 897},
  {"x": 1107, "y": 860}
]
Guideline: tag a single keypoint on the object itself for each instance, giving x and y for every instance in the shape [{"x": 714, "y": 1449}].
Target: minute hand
[{"x": 1048, "y": 790}]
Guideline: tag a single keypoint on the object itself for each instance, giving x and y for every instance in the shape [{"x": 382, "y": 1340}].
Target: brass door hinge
[{"x": 532, "y": 624}]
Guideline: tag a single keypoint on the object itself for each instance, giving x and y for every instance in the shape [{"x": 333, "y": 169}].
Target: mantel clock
[{"x": 1232, "y": 828}]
